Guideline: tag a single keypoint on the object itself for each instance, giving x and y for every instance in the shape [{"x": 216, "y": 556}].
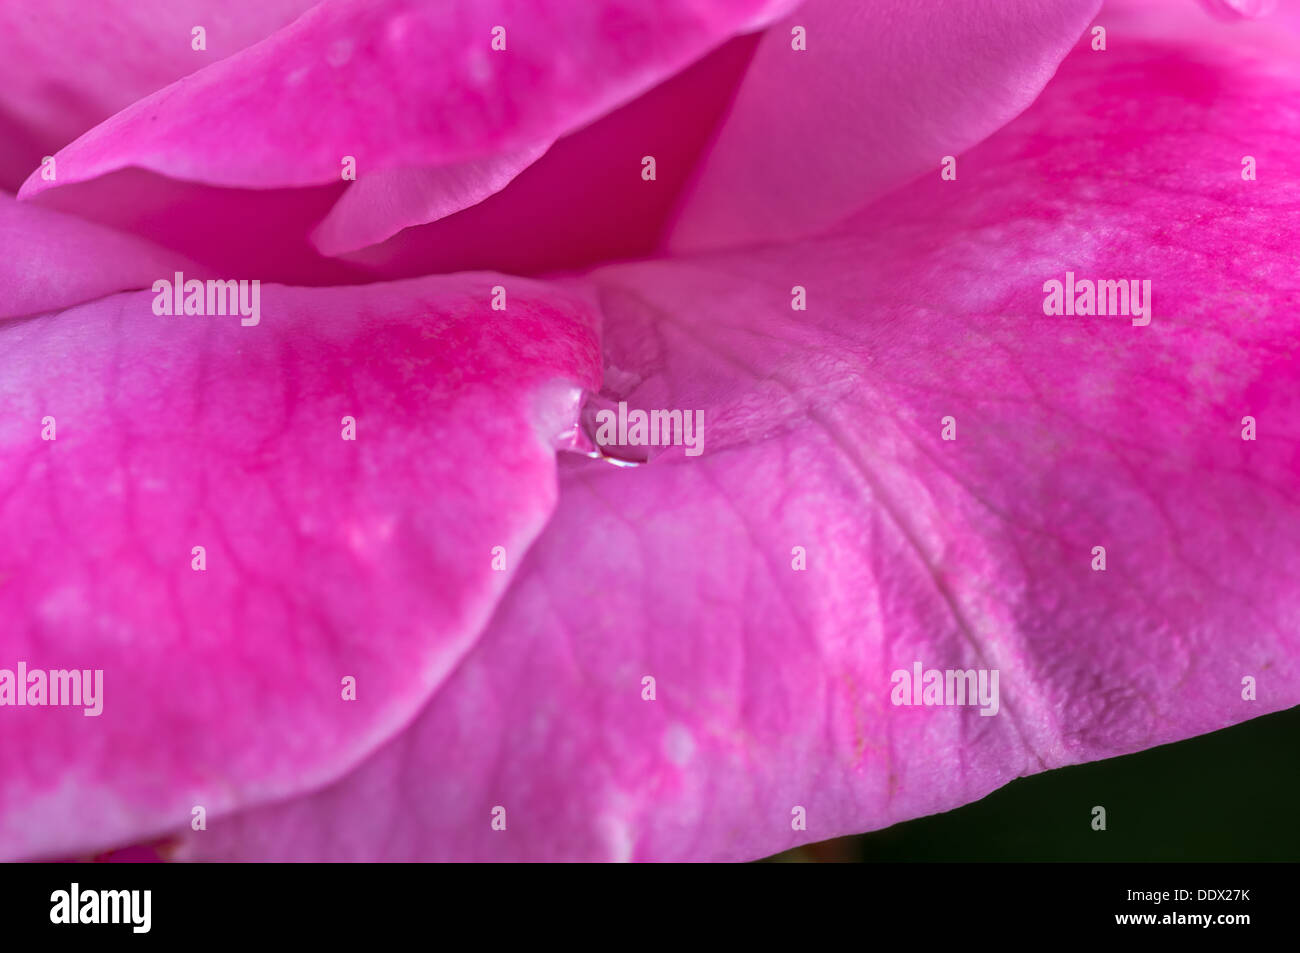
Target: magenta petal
[
  {"x": 436, "y": 91},
  {"x": 882, "y": 93},
  {"x": 824, "y": 431},
  {"x": 66, "y": 65},
  {"x": 324, "y": 558},
  {"x": 49, "y": 260}
]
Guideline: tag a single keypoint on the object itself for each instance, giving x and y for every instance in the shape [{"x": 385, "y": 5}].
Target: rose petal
[
  {"x": 823, "y": 430},
  {"x": 49, "y": 260},
  {"x": 436, "y": 91},
  {"x": 556, "y": 216},
  {"x": 882, "y": 93},
  {"x": 66, "y": 65},
  {"x": 325, "y": 558}
]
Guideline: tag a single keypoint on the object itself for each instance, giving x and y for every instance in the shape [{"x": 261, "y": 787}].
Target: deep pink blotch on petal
[
  {"x": 823, "y": 430},
  {"x": 325, "y": 557}
]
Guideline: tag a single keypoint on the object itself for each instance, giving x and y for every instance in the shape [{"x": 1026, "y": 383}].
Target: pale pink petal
[
  {"x": 325, "y": 558},
  {"x": 66, "y": 65},
  {"x": 49, "y": 260},
  {"x": 823, "y": 431},
  {"x": 881, "y": 94}
]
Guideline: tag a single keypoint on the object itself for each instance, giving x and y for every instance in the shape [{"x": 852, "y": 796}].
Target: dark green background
[{"x": 1233, "y": 795}]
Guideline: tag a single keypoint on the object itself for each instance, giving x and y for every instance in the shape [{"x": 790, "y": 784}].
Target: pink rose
[{"x": 965, "y": 335}]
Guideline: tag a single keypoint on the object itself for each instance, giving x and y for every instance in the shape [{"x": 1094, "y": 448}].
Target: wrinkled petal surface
[
  {"x": 823, "y": 431},
  {"x": 324, "y": 557}
]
